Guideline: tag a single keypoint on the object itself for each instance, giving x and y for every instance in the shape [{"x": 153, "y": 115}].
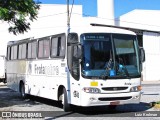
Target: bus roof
[{"x": 100, "y": 29}]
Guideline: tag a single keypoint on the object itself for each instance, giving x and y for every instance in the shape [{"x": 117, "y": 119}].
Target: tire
[
  {"x": 112, "y": 107},
  {"x": 22, "y": 91},
  {"x": 4, "y": 81},
  {"x": 66, "y": 105}
]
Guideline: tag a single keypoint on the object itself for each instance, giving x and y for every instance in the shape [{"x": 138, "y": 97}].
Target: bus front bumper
[{"x": 110, "y": 99}]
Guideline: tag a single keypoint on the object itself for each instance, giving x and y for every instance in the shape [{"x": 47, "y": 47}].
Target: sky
[{"x": 120, "y": 6}]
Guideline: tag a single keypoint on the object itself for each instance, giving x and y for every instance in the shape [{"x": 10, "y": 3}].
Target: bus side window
[
  {"x": 14, "y": 52},
  {"x": 40, "y": 49},
  {"x": 32, "y": 49},
  {"x": 54, "y": 47},
  {"x": 46, "y": 48},
  {"x": 22, "y": 51},
  {"x": 58, "y": 46},
  {"x": 8, "y": 53},
  {"x": 29, "y": 50},
  {"x": 62, "y": 46},
  {"x": 43, "y": 48}
]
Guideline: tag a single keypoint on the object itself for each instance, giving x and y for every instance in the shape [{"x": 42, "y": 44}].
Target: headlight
[
  {"x": 136, "y": 89},
  {"x": 91, "y": 90}
]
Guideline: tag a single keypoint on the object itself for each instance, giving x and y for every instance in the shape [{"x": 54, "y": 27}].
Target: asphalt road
[{"x": 11, "y": 101}]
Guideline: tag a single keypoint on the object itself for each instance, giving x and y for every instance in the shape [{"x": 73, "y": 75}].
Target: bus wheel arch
[
  {"x": 60, "y": 92},
  {"x": 22, "y": 89},
  {"x": 62, "y": 96}
]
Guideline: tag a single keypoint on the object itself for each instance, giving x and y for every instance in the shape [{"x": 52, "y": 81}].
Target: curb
[{"x": 150, "y": 82}]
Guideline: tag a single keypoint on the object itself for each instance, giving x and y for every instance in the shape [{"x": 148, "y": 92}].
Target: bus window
[
  {"x": 46, "y": 48},
  {"x": 13, "y": 52},
  {"x": 62, "y": 46},
  {"x": 22, "y": 51},
  {"x": 32, "y": 49},
  {"x": 54, "y": 47},
  {"x": 43, "y": 48},
  {"x": 40, "y": 49},
  {"x": 8, "y": 53},
  {"x": 29, "y": 50},
  {"x": 58, "y": 46}
]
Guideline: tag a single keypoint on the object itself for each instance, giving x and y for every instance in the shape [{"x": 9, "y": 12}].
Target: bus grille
[
  {"x": 114, "y": 98},
  {"x": 114, "y": 88}
]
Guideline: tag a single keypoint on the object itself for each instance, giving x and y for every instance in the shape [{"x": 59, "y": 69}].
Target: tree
[{"x": 19, "y": 14}]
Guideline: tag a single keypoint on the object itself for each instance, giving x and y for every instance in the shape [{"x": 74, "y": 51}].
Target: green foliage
[
  {"x": 158, "y": 102},
  {"x": 18, "y": 13}
]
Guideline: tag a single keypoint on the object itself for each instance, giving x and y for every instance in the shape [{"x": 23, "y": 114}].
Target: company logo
[{"x": 127, "y": 84}]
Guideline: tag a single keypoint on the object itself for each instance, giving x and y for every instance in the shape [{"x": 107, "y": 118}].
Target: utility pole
[{"x": 68, "y": 18}]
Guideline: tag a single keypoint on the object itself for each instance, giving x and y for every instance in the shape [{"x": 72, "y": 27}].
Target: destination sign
[{"x": 97, "y": 37}]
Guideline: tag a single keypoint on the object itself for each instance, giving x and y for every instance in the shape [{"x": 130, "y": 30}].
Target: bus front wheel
[
  {"x": 112, "y": 107},
  {"x": 66, "y": 105}
]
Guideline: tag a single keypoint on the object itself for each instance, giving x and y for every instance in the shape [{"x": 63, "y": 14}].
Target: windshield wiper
[
  {"x": 107, "y": 67},
  {"x": 126, "y": 72},
  {"x": 104, "y": 75},
  {"x": 125, "y": 69}
]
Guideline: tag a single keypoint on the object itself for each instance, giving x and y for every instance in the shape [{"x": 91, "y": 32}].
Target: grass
[
  {"x": 155, "y": 104},
  {"x": 158, "y": 102}
]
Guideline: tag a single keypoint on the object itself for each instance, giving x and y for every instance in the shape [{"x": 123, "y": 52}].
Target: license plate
[{"x": 114, "y": 103}]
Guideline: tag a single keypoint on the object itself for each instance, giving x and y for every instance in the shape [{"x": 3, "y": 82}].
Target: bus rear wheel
[
  {"x": 22, "y": 91},
  {"x": 66, "y": 105}
]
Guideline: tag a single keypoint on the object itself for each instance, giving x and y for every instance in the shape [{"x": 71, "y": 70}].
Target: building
[{"x": 147, "y": 25}]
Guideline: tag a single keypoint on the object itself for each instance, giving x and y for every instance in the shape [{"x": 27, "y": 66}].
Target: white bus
[{"x": 90, "y": 66}]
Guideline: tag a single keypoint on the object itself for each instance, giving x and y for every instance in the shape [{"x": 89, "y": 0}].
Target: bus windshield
[{"x": 111, "y": 55}]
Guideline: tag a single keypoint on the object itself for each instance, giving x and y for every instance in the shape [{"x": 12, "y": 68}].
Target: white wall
[
  {"x": 141, "y": 19},
  {"x": 146, "y": 20},
  {"x": 151, "y": 67}
]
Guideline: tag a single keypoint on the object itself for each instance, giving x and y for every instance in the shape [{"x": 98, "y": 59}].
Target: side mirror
[
  {"x": 72, "y": 38},
  {"x": 142, "y": 54},
  {"x": 77, "y": 53}
]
